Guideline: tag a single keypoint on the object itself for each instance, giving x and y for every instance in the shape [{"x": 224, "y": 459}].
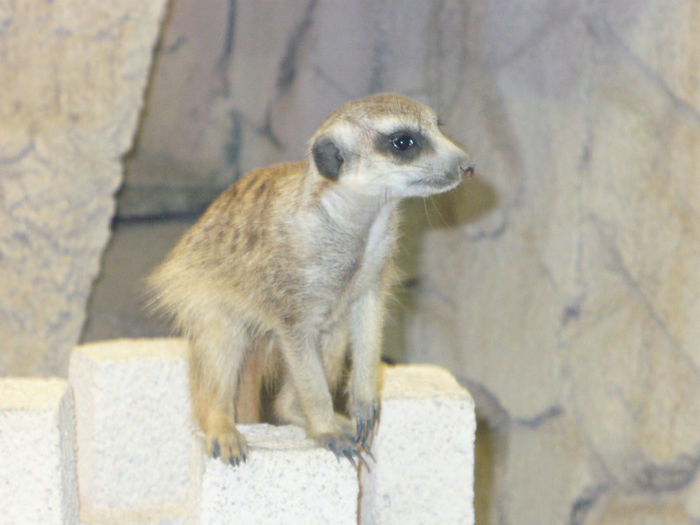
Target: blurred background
[{"x": 561, "y": 285}]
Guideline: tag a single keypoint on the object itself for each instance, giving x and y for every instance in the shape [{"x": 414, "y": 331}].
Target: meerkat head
[{"x": 388, "y": 145}]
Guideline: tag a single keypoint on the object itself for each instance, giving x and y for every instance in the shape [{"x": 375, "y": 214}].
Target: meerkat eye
[
  {"x": 402, "y": 141},
  {"x": 403, "y": 144}
]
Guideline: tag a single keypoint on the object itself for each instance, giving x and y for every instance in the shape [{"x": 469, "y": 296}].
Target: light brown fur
[{"x": 288, "y": 271}]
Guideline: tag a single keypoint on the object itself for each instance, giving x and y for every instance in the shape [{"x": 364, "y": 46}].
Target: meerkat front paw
[
  {"x": 341, "y": 445},
  {"x": 366, "y": 416},
  {"x": 228, "y": 445}
]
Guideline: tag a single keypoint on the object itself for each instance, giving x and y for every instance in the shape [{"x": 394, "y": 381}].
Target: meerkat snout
[
  {"x": 467, "y": 169},
  {"x": 282, "y": 283}
]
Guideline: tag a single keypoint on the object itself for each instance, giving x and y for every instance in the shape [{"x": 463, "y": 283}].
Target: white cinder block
[
  {"x": 134, "y": 430},
  {"x": 287, "y": 479},
  {"x": 37, "y": 453},
  {"x": 424, "y": 451}
]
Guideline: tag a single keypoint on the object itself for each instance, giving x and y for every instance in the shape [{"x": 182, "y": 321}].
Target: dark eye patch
[{"x": 404, "y": 145}]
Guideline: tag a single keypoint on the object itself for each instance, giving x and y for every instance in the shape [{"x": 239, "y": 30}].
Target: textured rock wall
[
  {"x": 562, "y": 285},
  {"x": 72, "y": 76},
  {"x": 574, "y": 305}
]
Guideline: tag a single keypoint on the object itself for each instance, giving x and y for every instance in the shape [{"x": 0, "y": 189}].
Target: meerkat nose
[{"x": 468, "y": 170}]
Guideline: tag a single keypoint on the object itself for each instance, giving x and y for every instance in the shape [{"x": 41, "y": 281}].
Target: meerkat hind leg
[{"x": 215, "y": 360}]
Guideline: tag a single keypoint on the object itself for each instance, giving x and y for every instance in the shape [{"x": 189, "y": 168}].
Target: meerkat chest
[
  {"x": 352, "y": 257},
  {"x": 378, "y": 246}
]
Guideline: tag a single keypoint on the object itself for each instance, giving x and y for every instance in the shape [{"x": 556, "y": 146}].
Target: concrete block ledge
[
  {"x": 140, "y": 458},
  {"x": 37, "y": 452},
  {"x": 287, "y": 479}
]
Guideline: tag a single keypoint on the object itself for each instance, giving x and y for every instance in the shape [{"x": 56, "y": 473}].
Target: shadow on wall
[{"x": 466, "y": 204}]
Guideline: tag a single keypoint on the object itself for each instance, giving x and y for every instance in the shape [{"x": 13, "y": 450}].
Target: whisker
[{"x": 427, "y": 214}]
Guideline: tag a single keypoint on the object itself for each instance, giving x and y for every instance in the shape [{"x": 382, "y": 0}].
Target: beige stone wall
[
  {"x": 572, "y": 308},
  {"x": 72, "y": 75}
]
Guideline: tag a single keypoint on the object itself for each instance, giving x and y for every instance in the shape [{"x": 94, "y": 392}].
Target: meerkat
[{"x": 286, "y": 274}]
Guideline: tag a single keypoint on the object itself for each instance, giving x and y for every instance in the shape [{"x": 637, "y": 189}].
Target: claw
[
  {"x": 360, "y": 431},
  {"x": 366, "y": 420},
  {"x": 348, "y": 455},
  {"x": 344, "y": 445},
  {"x": 242, "y": 457},
  {"x": 364, "y": 461},
  {"x": 366, "y": 427},
  {"x": 230, "y": 448}
]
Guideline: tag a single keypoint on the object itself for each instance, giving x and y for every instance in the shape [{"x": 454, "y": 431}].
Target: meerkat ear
[{"x": 327, "y": 157}]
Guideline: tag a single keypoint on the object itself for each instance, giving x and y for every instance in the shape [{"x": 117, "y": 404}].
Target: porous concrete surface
[
  {"x": 73, "y": 75},
  {"x": 134, "y": 430},
  {"x": 424, "y": 450},
  {"x": 288, "y": 478},
  {"x": 140, "y": 459},
  {"x": 38, "y": 483}
]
